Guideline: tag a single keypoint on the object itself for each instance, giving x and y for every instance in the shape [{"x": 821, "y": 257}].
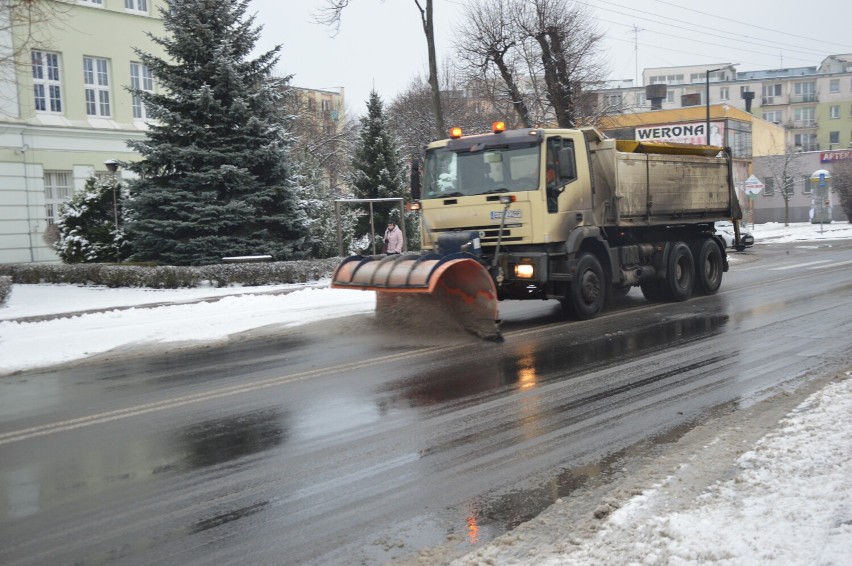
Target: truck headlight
[{"x": 524, "y": 271}]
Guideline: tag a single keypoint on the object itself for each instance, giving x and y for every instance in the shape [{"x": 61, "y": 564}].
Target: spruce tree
[
  {"x": 377, "y": 171},
  {"x": 214, "y": 179}
]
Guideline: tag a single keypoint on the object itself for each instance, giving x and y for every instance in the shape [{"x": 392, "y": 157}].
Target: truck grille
[{"x": 488, "y": 234}]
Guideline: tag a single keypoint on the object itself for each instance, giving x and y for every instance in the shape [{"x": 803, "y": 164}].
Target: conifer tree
[
  {"x": 214, "y": 179},
  {"x": 87, "y": 230},
  {"x": 377, "y": 171}
]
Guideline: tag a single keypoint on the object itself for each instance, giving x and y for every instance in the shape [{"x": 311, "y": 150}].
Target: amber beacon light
[{"x": 455, "y": 132}]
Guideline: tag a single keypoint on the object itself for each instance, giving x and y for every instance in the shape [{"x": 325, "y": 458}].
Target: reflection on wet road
[{"x": 342, "y": 444}]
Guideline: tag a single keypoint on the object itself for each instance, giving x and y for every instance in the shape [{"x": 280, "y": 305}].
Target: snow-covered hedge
[
  {"x": 171, "y": 277},
  {"x": 5, "y": 288}
]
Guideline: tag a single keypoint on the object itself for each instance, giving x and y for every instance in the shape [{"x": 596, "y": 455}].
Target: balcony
[
  {"x": 807, "y": 147},
  {"x": 802, "y": 124},
  {"x": 773, "y": 101},
  {"x": 803, "y": 98}
]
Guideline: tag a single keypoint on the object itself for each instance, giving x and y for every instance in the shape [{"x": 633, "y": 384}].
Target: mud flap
[{"x": 426, "y": 292}]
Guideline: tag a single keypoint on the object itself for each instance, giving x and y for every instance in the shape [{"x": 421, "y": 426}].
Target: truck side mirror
[{"x": 415, "y": 179}]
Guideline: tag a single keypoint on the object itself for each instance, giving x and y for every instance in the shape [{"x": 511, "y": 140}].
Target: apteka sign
[
  {"x": 829, "y": 156},
  {"x": 687, "y": 132}
]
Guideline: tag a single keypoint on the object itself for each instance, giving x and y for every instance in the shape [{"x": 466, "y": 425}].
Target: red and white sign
[
  {"x": 753, "y": 186},
  {"x": 838, "y": 155}
]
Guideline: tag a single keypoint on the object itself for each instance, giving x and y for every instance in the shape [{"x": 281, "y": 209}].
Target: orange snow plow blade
[{"x": 412, "y": 289}]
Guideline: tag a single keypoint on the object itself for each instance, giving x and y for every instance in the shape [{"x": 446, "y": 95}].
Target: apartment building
[
  {"x": 811, "y": 106},
  {"x": 814, "y": 104},
  {"x": 65, "y": 110}
]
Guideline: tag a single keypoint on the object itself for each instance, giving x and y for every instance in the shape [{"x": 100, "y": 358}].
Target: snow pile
[
  {"x": 777, "y": 232},
  {"x": 31, "y": 344},
  {"x": 790, "y": 503}
]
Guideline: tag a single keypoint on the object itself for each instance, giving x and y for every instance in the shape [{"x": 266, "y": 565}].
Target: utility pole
[{"x": 636, "y": 31}]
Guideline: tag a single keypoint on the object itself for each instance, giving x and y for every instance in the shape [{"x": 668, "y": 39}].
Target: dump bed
[{"x": 657, "y": 183}]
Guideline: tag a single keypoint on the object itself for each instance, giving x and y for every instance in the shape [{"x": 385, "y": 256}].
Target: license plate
[{"x": 498, "y": 215}]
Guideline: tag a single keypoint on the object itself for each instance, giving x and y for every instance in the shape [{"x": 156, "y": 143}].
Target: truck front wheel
[{"x": 587, "y": 293}]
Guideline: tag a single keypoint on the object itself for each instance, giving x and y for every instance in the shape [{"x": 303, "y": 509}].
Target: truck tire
[
  {"x": 587, "y": 293},
  {"x": 680, "y": 274},
  {"x": 708, "y": 268}
]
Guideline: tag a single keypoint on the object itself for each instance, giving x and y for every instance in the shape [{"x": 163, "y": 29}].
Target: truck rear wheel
[
  {"x": 708, "y": 268},
  {"x": 680, "y": 274},
  {"x": 587, "y": 293}
]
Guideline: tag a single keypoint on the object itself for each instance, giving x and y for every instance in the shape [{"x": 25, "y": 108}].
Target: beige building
[{"x": 65, "y": 110}]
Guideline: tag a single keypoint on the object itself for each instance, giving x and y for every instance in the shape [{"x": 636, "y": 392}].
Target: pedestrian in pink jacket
[{"x": 393, "y": 239}]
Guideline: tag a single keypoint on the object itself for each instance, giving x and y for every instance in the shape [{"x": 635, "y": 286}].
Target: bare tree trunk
[
  {"x": 330, "y": 16},
  {"x": 429, "y": 30},
  {"x": 514, "y": 92},
  {"x": 550, "y": 43}
]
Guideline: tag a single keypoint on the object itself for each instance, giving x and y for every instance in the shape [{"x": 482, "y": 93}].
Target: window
[
  {"x": 807, "y": 142},
  {"x": 141, "y": 78},
  {"x": 789, "y": 185},
  {"x": 95, "y": 2},
  {"x": 57, "y": 189},
  {"x": 136, "y": 5},
  {"x": 670, "y": 96},
  {"x": 805, "y": 92},
  {"x": 833, "y": 137},
  {"x": 325, "y": 104},
  {"x": 641, "y": 100},
  {"x": 807, "y": 187},
  {"x": 612, "y": 100},
  {"x": 47, "y": 85},
  {"x": 768, "y": 186},
  {"x": 775, "y": 116},
  {"x": 772, "y": 90},
  {"x": 834, "y": 112},
  {"x": 834, "y": 85},
  {"x": 725, "y": 93},
  {"x": 804, "y": 117},
  {"x": 96, "y": 79},
  {"x": 668, "y": 79}
]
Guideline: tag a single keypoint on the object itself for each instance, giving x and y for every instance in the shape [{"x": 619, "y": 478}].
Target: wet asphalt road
[{"x": 342, "y": 443}]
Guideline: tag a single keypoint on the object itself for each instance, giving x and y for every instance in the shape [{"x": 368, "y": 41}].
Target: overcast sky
[{"x": 381, "y": 44}]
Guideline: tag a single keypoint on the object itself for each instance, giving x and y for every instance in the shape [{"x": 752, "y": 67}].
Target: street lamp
[
  {"x": 112, "y": 167},
  {"x": 707, "y": 100}
]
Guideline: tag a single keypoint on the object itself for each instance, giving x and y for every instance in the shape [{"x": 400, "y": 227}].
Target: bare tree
[
  {"x": 26, "y": 24},
  {"x": 326, "y": 135},
  {"x": 490, "y": 42},
  {"x": 331, "y": 15},
  {"x": 546, "y": 52},
  {"x": 411, "y": 117},
  {"x": 841, "y": 183},
  {"x": 784, "y": 170}
]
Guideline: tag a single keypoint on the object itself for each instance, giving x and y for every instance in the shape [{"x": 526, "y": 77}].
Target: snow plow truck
[{"x": 565, "y": 214}]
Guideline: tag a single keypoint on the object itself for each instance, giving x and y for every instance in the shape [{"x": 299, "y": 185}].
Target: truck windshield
[{"x": 493, "y": 170}]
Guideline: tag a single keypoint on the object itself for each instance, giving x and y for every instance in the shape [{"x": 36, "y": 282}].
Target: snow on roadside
[
  {"x": 26, "y": 345},
  {"x": 789, "y": 503},
  {"x": 777, "y": 232}
]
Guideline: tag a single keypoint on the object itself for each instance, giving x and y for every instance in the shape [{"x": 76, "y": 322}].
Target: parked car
[{"x": 726, "y": 231}]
